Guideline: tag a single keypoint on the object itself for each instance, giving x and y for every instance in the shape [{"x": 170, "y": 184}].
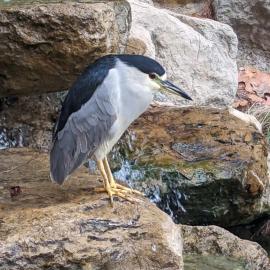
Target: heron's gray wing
[{"x": 84, "y": 131}]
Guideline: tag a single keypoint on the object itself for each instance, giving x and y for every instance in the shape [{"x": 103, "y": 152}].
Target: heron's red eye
[{"x": 152, "y": 76}]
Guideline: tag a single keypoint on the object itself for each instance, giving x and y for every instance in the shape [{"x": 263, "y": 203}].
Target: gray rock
[
  {"x": 199, "y": 55},
  {"x": 45, "y": 46},
  {"x": 211, "y": 247},
  {"x": 250, "y": 20},
  {"x": 257, "y": 231}
]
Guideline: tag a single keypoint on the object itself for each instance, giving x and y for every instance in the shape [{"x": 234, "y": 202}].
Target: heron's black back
[{"x": 83, "y": 88}]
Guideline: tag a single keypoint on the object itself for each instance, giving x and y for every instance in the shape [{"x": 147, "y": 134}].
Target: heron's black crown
[
  {"x": 93, "y": 76},
  {"x": 143, "y": 63}
]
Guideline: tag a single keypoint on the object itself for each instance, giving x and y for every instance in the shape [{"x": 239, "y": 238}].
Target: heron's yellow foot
[
  {"x": 124, "y": 194},
  {"x": 111, "y": 187},
  {"x": 128, "y": 190}
]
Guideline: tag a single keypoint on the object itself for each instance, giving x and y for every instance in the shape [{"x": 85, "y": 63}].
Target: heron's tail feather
[{"x": 65, "y": 157}]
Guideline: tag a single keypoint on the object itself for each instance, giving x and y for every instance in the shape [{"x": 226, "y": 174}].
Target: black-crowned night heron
[{"x": 109, "y": 95}]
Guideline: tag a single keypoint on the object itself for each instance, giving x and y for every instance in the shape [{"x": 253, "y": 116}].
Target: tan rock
[
  {"x": 214, "y": 241},
  {"x": 45, "y": 226},
  {"x": 44, "y": 46},
  {"x": 200, "y": 165}
]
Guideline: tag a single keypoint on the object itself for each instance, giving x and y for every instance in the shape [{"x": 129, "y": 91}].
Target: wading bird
[{"x": 109, "y": 95}]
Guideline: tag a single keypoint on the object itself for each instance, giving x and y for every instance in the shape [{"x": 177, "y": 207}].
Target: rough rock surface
[
  {"x": 44, "y": 226},
  {"x": 250, "y": 20},
  {"x": 200, "y": 165},
  {"x": 258, "y": 231},
  {"x": 199, "y": 55},
  {"x": 29, "y": 120},
  {"x": 197, "y": 8},
  {"x": 214, "y": 241},
  {"x": 202, "y": 144},
  {"x": 44, "y": 46}
]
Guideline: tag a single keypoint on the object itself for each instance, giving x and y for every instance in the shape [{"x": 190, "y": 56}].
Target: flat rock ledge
[{"x": 44, "y": 226}]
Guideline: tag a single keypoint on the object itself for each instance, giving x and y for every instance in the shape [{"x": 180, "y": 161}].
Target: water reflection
[{"x": 201, "y": 262}]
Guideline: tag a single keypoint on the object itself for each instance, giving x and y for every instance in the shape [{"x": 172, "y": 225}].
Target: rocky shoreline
[{"x": 202, "y": 164}]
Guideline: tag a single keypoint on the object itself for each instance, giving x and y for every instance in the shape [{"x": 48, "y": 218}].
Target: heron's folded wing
[{"x": 84, "y": 131}]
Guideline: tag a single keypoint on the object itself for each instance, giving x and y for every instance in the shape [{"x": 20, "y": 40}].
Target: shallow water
[{"x": 200, "y": 262}]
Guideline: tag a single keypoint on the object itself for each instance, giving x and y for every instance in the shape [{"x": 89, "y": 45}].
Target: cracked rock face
[
  {"x": 201, "y": 166},
  {"x": 44, "y": 226},
  {"x": 45, "y": 46}
]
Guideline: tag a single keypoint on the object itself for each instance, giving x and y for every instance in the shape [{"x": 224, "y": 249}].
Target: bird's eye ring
[{"x": 152, "y": 76}]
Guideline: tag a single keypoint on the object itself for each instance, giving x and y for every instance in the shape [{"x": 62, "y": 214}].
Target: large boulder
[
  {"x": 200, "y": 165},
  {"x": 211, "y": 247},
  {"x": 44, "y": 46},
  {"x": 206, "y": 160},
  {"x": 198, "y": 54},
  {"x": 44, "y": 226},
  {"x": 250, "y": 20}
]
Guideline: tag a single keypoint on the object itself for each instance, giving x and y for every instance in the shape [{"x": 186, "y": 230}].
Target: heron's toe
[
  {"x": 123, "y": 192},
  {"x": 129, "y": 190}
]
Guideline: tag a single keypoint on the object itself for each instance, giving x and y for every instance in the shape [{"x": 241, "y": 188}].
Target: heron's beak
[{"x": 173, "y": 88}]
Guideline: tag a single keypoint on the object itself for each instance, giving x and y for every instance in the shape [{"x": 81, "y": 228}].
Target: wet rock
[
  {"x": 199, "y": 55},
  {"x": 45, "y": 46},
  {"x": 200, "y": 165},
  {"x": 211, "y": 246},
  {"x": 70, "y": 227},
  {"x": 250, "y": 20},
  {"x": 29, "y": 120}
]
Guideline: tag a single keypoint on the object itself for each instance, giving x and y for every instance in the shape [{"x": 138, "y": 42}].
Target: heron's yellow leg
[
  {"x": 113, "y": 184},
  {"x": 107, "y": 185},
  {"x": 111, "y": 190},
  {"x": 109, "y": 172}
]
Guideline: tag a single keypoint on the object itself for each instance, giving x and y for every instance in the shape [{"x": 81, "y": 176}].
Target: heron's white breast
[{"x": 132, "y": 96}]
